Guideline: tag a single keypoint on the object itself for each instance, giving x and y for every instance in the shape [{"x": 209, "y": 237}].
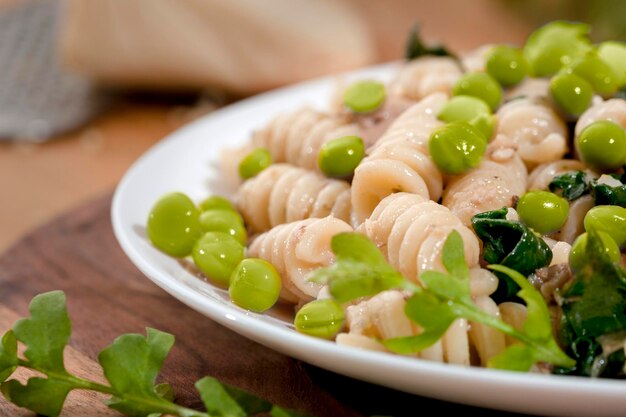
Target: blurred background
[{"x": 87, "y": 86}]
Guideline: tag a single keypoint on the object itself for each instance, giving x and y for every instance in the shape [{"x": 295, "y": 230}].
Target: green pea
[
  {"x": 614, "y": 54},
  {"x": 609, "y": 219},
  {"x": 364, "y": 96},
  {"x": 173, "y": 224},
  {"x": 255, "y": 285},
  {"x": 225, "y": 221},
  {"x": 216, "y": 202},
  {"x": 481, "y": 85},
  {"x": 571, "y": 92},
  {"x": 602, "y": 145},
  {"x": 457, "y": 147},
  {"x": 469, "y": 109},
  {"x": 578, "y": 255},
  {"x": 217, "y": 254},
  {"x": 506, "y": 64},
  {"x": 255, "y": 162},
  {"x": 543, "y": 211},
  {"x": 598, "y": 73},
  {"x": 339, "y": 157},
  {"x": 320, "y": 318},
  {"x": 555, "y": 44}
]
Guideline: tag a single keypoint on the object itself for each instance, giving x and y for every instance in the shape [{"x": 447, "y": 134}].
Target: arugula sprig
[
  {"x": 360, "y": 270},
  {"x": 131, "y": 365}
]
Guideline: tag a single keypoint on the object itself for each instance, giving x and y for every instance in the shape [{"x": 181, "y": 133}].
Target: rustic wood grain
[{"x": 108, "y": 296}]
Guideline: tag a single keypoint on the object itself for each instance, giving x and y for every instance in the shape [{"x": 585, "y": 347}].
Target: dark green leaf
[
  {"x": 131, "y": 364},
  {"x": 621, "y": 93},
  {"x": 570, "y": 185},
  {"x": 416, "y": 48},
  {"x": 512, "y": 244},
  {"x": 46, "y": 332},
  {"x": 43, "y": 396},
  {"x": 8, "y": 355},
  {"x": 607, "y": 195},
  {"x": 594, "y": 303},
  {"x": 165, "y": 391}
]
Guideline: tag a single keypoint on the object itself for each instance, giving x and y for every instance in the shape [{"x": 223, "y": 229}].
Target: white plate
[{"x": 185, "y": 162}]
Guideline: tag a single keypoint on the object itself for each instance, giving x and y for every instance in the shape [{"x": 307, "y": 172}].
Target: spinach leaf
[
  {"x": 570, "y": 185},
  {"x": 512, "y": 244},
  {"x": 415, "y": 47},
  {"x": 621, "y": 93},
  {"x": 594, "y": 305},
  {"x": 607, "y": 195}
]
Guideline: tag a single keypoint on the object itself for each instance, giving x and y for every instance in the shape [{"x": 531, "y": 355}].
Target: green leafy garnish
[
  {"x": 570, "y": 185},
  {"x": 130, "y": 364},
  {"x": 444, "y": 298},
  {"x": 512, "y": 244},
  {"x": 593, "y": 305},
  {"x": 359, "y": 271},
  {"x": 415, "y": 46},
  {"x": 609, "y": 195}
]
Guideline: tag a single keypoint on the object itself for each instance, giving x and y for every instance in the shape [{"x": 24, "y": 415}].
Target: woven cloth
[{"x": 38, "y": 99}]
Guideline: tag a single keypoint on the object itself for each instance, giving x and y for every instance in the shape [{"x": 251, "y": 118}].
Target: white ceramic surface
[{"x": 185, "y": 161}]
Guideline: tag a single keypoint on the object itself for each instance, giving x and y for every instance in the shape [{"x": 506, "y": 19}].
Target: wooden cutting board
[{"x": 107, "y": 296}]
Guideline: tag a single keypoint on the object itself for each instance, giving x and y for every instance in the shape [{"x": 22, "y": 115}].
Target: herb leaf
[
  {"x": 43, "y": 396},
  {"x": 415, "y": 46},
  {"x": 217, "y": 400},
  {"x": 8, "y": 355},
  {"x": 570, "y": 185},
  {"x": 607, "y": 195},
  {"x": 540, "y": 344},
  {"x": 593, "y": 306},
  {"x": 131, "y": 364},
  {"x": 512, "y": 244},
  {"x": 359, "y": 271}
]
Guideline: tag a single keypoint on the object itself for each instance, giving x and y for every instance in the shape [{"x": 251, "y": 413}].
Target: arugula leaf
[
  {"x": 415, "y": 46},
  {"x": 359, "y": 271},
  {"x": 593, "y": 305},
  {"x": 540, "y": 345},
  {"x": 570, "y": 185},
  {"x": 217, "y": 400},
  {"x": 447, "y": 297},
  {"x": 512, "y": 244},
  {"x": 45, "y": 335},
  {"x": 131, "y": 364},
  {"x": 8, "y": 355}
]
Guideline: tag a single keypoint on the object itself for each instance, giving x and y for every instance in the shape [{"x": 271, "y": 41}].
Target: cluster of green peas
[{"x": 213, "y": 235}]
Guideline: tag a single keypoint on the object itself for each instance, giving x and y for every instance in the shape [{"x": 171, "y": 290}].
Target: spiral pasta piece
[
  {"x": 297, "y": 137},
  {"x": 426, "y": 75},
  {"x": 297, "y": 248},
  {"x": 283, "y": 193},
  {"x": 492, "y": 185},
  {"x": 542, "y": 175},
  {"x": 410, "y": 231},
  {"x": 538, "y": 132},
  {"x": 399, "y": 161}
]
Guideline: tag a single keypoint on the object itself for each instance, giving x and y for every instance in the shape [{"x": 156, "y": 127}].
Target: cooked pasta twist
[
  {"x": 400, "y": 161},
  {"x": 297, "y": 248},
  {"x": 410, "y": 231},
  {"x": 541, "y": 176},
  {"x": 500, "y": 177},
  {"x": 538, "y": 132},
  {"x": 424, "y": 76},
  {"x": 283, "y": 193},
  {"x": 296, "y": 137},
  {"x": 382, "y": 317}
]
